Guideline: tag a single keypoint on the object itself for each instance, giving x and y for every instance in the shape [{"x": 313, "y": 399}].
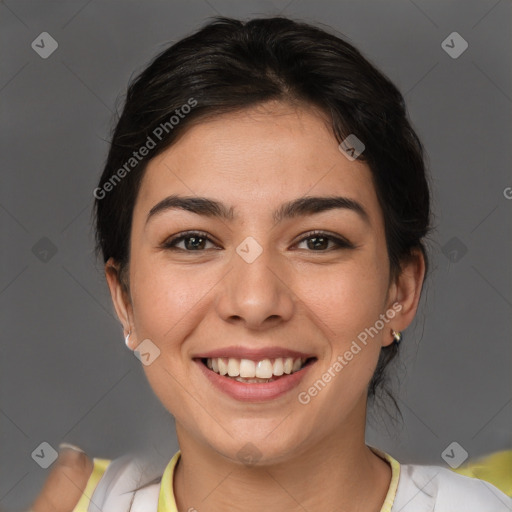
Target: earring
[
  {"x": 127, "y": 340},
  {"x": 397, "y": 335}
]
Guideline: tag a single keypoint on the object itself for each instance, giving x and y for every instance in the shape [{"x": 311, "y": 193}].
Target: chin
[{"x": 257, "y": 450}]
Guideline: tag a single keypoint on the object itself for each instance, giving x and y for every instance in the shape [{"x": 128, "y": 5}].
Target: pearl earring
[{"x": 397, "y": 335}]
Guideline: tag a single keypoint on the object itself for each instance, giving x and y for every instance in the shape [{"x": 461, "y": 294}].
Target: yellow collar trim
[
  {"x": 100, "y": 466},
  {"x": 167, "y": 503},
  {"x": 395, "y": 477}
]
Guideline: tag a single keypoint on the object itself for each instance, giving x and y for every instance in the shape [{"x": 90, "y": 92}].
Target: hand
[{"x": 66, "y": 482}]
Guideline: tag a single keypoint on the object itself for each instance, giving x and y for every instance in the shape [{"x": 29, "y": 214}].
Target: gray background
[{"x": 65, "y": 372}]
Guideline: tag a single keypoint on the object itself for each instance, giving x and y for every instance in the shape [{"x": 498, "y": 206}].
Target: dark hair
[{"x": 230, "y": 65}]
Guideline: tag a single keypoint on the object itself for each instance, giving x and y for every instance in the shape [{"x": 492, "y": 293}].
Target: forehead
[{"x": 255, "y": 158}]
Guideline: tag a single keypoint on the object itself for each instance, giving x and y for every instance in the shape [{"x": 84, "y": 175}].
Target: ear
[
  {"x": 120, "y": 297},
  {"x": 404, "y": 293}
]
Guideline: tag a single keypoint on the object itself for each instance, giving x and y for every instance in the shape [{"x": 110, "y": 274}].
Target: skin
[
  {"x": 312, "y": 457},
  {"x": 66, "y": 482}
]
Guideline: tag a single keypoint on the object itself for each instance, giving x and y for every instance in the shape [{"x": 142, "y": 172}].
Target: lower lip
[{"x": 254, "y": 392}]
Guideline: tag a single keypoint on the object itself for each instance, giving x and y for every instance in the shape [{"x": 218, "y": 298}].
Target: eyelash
[{"x": 341, "y": 243}]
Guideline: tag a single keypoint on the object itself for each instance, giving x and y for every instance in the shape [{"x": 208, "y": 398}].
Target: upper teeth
[{"x": 264, "y": 369}]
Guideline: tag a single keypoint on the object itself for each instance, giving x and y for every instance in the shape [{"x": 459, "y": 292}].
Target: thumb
[{"x": 66, "y": 482}]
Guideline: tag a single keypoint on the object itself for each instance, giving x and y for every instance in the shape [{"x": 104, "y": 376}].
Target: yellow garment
[
  {"x": 100, "y": 466},
  {"x": 495, "y": 469},
  {"x": 167, "y": 501}
]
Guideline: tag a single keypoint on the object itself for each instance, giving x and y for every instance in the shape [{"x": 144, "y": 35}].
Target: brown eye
[
  {"x": 320, "y": 242},
  {"x": 192, "y": 241},
  {"x": 317, "y": 242}
]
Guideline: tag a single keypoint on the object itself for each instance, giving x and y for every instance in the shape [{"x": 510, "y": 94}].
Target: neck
[{"x": 338, "y": 473}]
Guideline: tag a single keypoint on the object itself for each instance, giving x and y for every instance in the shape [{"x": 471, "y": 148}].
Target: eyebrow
[{"x": 308, "y": 205}]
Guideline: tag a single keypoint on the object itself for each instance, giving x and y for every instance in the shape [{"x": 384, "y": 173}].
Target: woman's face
[{"x": 255, "y": 283}]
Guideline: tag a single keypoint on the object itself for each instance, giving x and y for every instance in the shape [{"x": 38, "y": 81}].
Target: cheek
[
  {"x": 344, "y": 303},
  {"x": 167, "y": 305},
  {"x": 347, "y": 298},
  {"x": 167, "y": 300}
]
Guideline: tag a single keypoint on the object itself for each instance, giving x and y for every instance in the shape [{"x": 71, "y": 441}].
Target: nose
[{"x": 256, "y": 294}]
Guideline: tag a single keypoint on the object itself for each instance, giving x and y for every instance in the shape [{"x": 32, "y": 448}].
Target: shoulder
[
  {"x": 440, "y": 489},
  {"x": 127, "y": 483}
]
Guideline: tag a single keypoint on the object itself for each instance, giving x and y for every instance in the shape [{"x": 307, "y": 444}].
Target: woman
[{"x": 262, "y": 216}]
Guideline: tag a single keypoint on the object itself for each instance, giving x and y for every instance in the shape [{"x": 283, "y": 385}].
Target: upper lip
[{"x": 255, "y": 354}]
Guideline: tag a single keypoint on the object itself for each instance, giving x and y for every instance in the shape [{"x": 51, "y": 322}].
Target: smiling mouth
[{"x": 256, "y": 372}]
